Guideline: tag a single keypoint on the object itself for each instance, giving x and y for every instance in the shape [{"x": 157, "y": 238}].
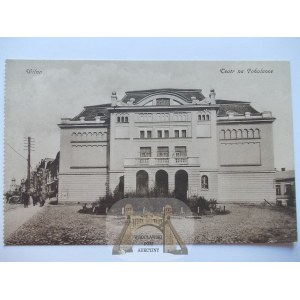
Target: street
[
  {"x": 63, "y": 225},
  {"x": 16, "y": 215}
]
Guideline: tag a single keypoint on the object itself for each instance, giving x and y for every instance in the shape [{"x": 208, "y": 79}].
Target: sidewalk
[{"x": 15, "y": 218}]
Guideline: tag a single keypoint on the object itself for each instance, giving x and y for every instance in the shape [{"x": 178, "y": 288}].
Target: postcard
[{"x": 148, "y": 155}]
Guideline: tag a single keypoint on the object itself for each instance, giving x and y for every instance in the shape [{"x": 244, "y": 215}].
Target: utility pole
[
  {"x": 28, "y": 164},
  {"x": 29, "y": 144}
]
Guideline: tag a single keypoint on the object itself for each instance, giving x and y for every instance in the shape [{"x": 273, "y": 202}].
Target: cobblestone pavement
[
  {"x": 60, "y": 225},
  {"x": 63, "y": 225},
  {"x": 248, "y": 224},
  {"x": 16, "y": 215}
]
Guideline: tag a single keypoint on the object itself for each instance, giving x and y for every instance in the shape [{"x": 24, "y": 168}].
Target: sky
[{"x": 39, "y": 93}]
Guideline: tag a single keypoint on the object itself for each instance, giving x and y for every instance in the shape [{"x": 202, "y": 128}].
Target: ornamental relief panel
[
  {"x": 238, "y": 134},
  {"x": 89, "y": 136}
]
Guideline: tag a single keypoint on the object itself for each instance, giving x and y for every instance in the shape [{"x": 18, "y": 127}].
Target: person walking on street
[
  {"x": 43, "y": 199},
  {"x": 25, "y": 196}
]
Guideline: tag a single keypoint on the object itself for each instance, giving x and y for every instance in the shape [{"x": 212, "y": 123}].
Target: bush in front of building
[
  {"x": 150, "y": 193},
  {"x": 198, "y": 205}
]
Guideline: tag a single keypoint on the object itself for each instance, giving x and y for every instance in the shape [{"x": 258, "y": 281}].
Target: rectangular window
[
  {"x": 163, "y": 101},
  {"x": 180, "y": 151},
  {"x": 162, "y": 151},
  {"x": 278, "y": 189},
  {"x": 145, "y": 151},
  {"x": 183, "y": 133},
  {"x": 159, "y": 133},
  {"x": 288, "y": 189},
  {"x": 149, "y": 134},
  {"x": 166, "y": 134},
  {"x": 142, "y": 134},
  {"x": 177, "y": 133}
]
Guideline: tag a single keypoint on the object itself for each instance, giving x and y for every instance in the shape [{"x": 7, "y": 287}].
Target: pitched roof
[
  {"x": 237, "y": 107},
  {"x": 90, "y": 112},
  {"x": 282, "y": 175}
]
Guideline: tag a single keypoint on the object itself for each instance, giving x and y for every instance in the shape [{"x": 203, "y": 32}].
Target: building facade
[
  {"x": 174, "y": 140},
  {"x": 285, "y": 187}
]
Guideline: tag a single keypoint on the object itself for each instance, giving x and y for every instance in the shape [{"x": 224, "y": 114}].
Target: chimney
[
  {"x": 282, "y": 169},
  {"x": 114, "y": 99},
  {"x": 212, "y": 96}
]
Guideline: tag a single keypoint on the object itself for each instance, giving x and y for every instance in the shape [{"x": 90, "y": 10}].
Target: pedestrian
[
  {"x": 25, "y": 199},
  {"x": 34, "y": 198},
  {"x": 43, "y": 198}
]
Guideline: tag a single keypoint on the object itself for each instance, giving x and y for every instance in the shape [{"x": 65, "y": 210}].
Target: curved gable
[{"x": 162, "y": 99}]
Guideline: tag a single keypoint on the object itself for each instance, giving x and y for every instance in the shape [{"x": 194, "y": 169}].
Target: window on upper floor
[
  {"x": 204, "y": 117},
  {"x": 204, "y": 182},
  {"x": 149, "y": 134},
  {"x": 166, "y": 132},
  {"x": 162, "y": 151},
  {"x": 183, "y": 133},
  {"x": 163, "y": 101},
  {"x": 145, "y": 151},
  {"x": 142, "y": 134},
  {"x": 122, "y": 119},
  {"x": 159, "y": 133},
  {"x": 180, "y": 151},
  {"x": 176, "y": 133}
]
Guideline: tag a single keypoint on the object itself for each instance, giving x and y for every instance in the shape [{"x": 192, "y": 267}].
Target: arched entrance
[
  {"x": 142, "y": 182},
  {"x": 162, "y": 183},
  {"x": 181, "y": 184}
]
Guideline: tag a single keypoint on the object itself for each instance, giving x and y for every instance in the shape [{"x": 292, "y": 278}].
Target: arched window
[
  {"x": 89, "y": 136},
  {"x": 256, "y": 133},
  {"x": 204, "y": 182},
  {"x": 239, "y": 134},
  {"x": 233, "y": 134},
  {"x": 94, "y": 136},
  {"x": 126, "y": 119},
  {"x": 122, "y": 119},
  {"x": 119, "y": 120},
  {"x": 222, "y": 135},
  {"x": 199, "y": 118},
  {"x": 207, "y": 117},
  {"x": 245, "y": 134},
  {"x": 227, "y": 134},
  {"x": 142, "y": 182},
  {"x": 251, "y": 134}
]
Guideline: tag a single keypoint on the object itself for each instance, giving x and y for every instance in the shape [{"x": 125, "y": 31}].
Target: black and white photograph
[{"x": 170, "y": 153}]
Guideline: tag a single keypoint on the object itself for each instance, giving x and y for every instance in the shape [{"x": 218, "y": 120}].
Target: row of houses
[{"x": 44, "y": 178}]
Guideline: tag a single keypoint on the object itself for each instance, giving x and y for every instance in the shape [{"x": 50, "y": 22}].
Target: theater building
[{"x": 176, "y": 140}]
